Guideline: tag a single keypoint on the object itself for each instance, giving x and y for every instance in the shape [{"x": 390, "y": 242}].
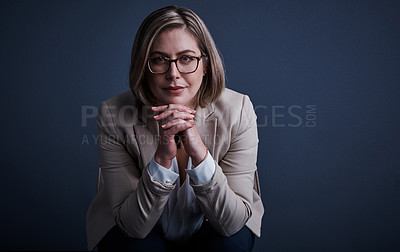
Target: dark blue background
[{"x": 335, "y": 186}]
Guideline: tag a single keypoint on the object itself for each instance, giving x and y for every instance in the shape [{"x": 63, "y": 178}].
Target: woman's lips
[{"x": 174, "y": 90}]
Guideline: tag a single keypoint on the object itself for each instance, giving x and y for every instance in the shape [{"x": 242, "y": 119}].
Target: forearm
[
  {"x": 144, "y": 206},
  {"x": 227, "y": 199},
  {"x": 136, "y": 200},
  {"x": 227, "y": 211}
]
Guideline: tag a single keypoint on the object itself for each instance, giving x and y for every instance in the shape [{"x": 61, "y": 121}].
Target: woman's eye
[
  {"x": 186, "y": 58},
  {"x": 159, "y": 59}
]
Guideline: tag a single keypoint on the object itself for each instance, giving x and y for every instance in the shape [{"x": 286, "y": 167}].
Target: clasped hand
[{"x": 174, "y": 119}]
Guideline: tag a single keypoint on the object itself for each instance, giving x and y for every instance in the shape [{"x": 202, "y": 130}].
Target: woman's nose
[{"x": 173, "y": 71}]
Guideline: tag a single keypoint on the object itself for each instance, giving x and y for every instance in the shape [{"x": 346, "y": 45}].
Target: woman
[{"x": 178, "y": 152}]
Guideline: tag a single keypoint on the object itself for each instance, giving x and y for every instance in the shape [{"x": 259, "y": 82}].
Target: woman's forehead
[{"x": 175, "y": 41}]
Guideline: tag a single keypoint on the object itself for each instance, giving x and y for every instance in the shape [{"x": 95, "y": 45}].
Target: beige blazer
[{"x": 130, "y": 198}]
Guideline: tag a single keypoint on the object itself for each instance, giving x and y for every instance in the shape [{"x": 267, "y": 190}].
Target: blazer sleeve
[
  {"x": 136, "y": 199},
  {"x": 226, "y": 200}
]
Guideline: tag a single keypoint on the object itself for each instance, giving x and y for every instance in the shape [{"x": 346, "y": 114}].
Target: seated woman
[{"x": 178, "y": 151}]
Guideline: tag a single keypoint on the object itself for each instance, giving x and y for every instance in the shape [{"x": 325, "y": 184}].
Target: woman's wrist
[
  {"x": 196, "y": 160},
  {"x": 164, "y": 162}
]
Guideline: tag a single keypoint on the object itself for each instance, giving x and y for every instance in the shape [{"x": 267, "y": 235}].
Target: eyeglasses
[{"x": 184, "y": 64}]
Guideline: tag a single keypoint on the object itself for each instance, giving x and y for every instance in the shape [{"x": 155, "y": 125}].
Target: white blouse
[{"x": 182, "y": 215}]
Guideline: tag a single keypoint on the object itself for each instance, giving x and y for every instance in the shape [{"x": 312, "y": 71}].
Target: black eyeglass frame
[{"x": 176, "y": 64}]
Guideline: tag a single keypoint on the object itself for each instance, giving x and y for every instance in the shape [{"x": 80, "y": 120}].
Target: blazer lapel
[
  {"x": 207, "y": 126},
  {"x": 146, "y": 134}
]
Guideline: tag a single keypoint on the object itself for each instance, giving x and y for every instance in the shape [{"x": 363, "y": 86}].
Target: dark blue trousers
[{"x": 206, "y": 239}]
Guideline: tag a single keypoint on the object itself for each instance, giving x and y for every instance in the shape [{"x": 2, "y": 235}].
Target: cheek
[
  {"x": 195, "y": 81},
  {"x": 198, "y": 77}
]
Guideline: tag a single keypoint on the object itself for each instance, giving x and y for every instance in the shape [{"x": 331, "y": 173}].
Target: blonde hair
[{"x": 167, "y": 18}]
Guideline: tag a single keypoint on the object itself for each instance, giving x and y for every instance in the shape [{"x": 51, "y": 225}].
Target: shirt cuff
[
  {"x": 162, "y": 174},
  {"x": 203, "y": 172}
]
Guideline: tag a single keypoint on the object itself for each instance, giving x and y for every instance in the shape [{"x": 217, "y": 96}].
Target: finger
[
  {"x": 172, "y": 131},
  {"x": 176, "y": 123},
  {"x": 182, "y": 108},
  {"x": 173, "y": 114},
  {"x": 172, "y": 123},
  {"x": 163, "y": 114},
  {"x": 159, "y": 108},
  {"x": 178, "y": 107}
]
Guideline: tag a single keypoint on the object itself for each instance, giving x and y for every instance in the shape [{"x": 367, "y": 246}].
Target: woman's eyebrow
[
  {"x": 158, "y": 52},
  {"x": 186, "y": 51},
  {"x": 179, "y": 53}
]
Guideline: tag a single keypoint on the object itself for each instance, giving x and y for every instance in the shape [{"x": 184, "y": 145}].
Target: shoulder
[
  {"x": 233, "y": 117},
  {"x": 234, "y": 112},
  {"x": 121, "y": 109},
  {"x": 120, "y": 100},
  {"x": 233, "y": 102}
]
